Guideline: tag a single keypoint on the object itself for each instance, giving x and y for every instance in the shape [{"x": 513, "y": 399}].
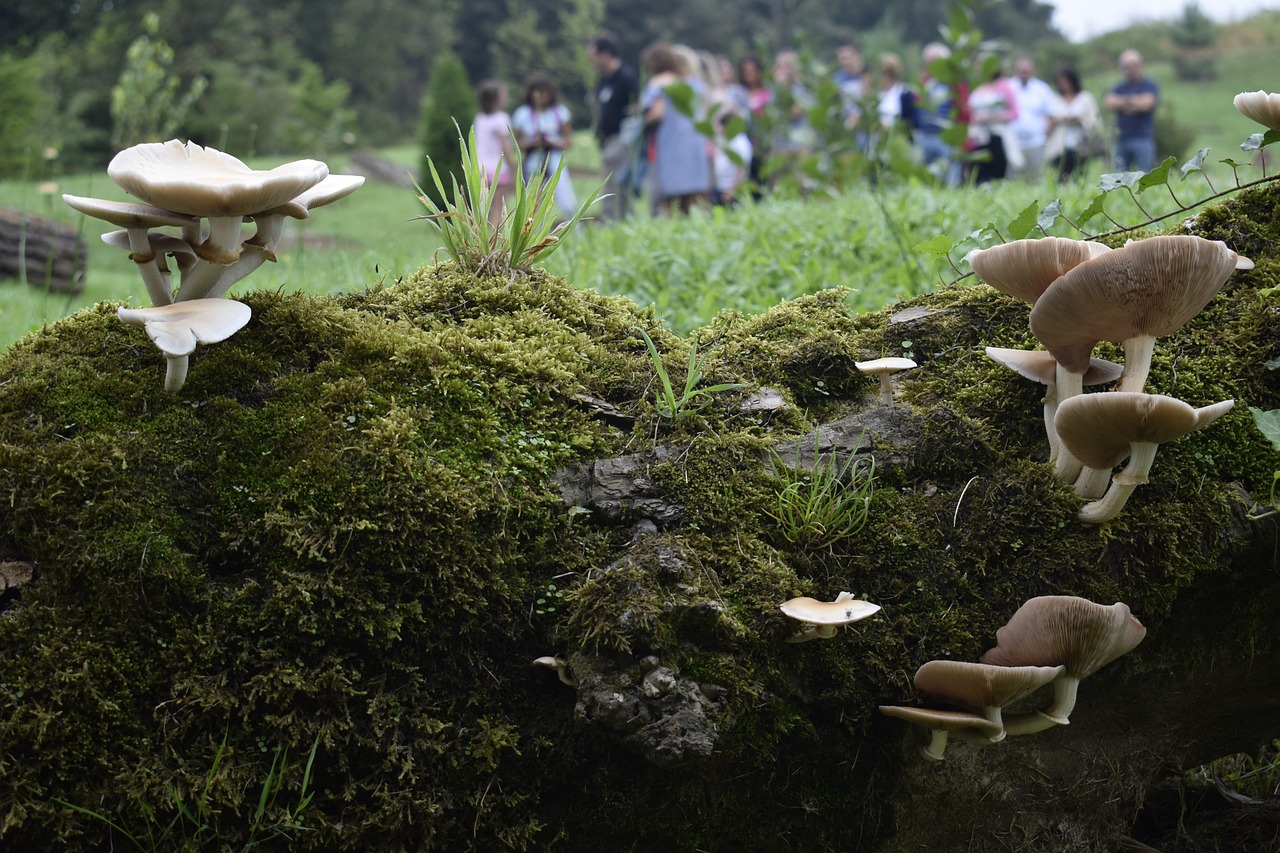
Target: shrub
[{"x": 450, "y": 104}]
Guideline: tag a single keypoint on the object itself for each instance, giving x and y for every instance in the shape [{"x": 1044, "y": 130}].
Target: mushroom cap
[
  {"x": 1067, "y": 630},
  {"x": 177, "y": 328},
  {"x": 1025, "y": 268},
  {"x": 982, "y": 685},
  {"x": 329, "y": 190},
  {"x": 1260, "y": 106},
  {"x": 550, "y": 662},
  {"x": 1099, "y": 429},
  {"x": 942, "y": 720},
  {"x": 814, "y": 612},
  {"x": 1148, "y": 287},
  {"x": 203, "y": 181},
  {"x": 1039, "y": 366},
  {"x": 889, "y": 364},
  {"x": 128, "y": 214}
]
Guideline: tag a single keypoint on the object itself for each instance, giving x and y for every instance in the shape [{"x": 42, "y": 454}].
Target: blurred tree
[
  {"x": 21, "y": 103},
  {"x": 147, "y": 104},
  {"x": 450, "y": 106},
  {"x": 1193, "y": 36}
]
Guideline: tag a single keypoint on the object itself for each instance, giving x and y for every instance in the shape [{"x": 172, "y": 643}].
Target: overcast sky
[{"x": 1082, "y": 19}]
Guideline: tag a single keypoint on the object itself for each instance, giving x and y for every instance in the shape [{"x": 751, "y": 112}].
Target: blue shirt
[{"x": 1137, "y": 125}]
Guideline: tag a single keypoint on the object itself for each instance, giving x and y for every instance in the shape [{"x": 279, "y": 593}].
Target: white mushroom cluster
[
  {"x": 193, "y": 203},
  {"x": 1053, "y": 639},
  {"x": 1083, "y": 293}
]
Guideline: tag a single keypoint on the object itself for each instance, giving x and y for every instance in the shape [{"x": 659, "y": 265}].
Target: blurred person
[
  {"x": 758, "y": 96},
  {"x": 729, "y": 171},
  {"x": 616, "y": 96},
  {"x": 679, "y": 163},
  {"x": 794, "y": 100},
  {"x": 993, "y": 105},
  {"x": 494, "y": 147},
  {"x": 544, "y": 133},
  {"x": 849, "y": 78},
  {"x": 1074, "y": 127},
  {"x": 933, "y": 116},
  {"x": 1134, "y": 100},
  {"x": 895, "y": 104},
  {"x": 1031, "y": 127}
]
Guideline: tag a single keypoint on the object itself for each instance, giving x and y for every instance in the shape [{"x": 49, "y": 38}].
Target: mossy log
[
  {"x": 353, "y": 529},
  {"x": 46, "y": 252}
]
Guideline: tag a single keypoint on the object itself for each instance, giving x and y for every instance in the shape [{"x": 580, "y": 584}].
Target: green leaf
[
  {"x": 1232, "y": 163},
  {"x": 943, "y": 70},
  {"x": 735, "y": 126},
  {"x": 1116, "y": 180},
  {"x": 1253, "y": 143},
  {"x": 1024, "y": 222},
  {"x": 1157, "y": 177},
  {"x": 1196, "y": 163},
  {"x": 1049, "y": 214},
  {"x": 1269, "y": 137},
  {"x": 682, "y": 96},
  {"x": 1268, "y": 424},
  {"x": 939, "y": 246},
  {"x": 954, "y": 135},
  {"x": 1272, "y": 364},
  {"x": 1094, "y": 209}
]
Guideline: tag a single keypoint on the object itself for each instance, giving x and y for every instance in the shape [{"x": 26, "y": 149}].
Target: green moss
[{"x": 340, "y": 528}]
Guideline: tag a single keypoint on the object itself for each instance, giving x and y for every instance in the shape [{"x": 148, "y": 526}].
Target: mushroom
[
  {"x": 822, "y": 618},
  {"x": 161, "y": 245},
  {"x": 261, "y": 247},
  {"x": 177, "y": 328},
  {"x": 1039, "y": 366},
  {"x": 1130, "y": 295},
  {"x": 1025, "y": 268},
  {"x": 885, "y": 368},
  {"x": 1067, "y": 631},
  {"x": 559, "y": 665},
  {"x": 1261, "y": 107},
  {"x": 1102, "y": 429},
  {"x": 940, "y": 723},
  {"x": 982, "y": 685},
  {"x": 137, "y": 220},
  {"x": 206, "y": 182}
]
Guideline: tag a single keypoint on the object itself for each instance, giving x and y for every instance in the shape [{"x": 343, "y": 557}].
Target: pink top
[{"x": 492, "y": 129}]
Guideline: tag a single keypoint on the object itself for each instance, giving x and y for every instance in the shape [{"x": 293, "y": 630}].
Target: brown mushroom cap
[
  {"x": 982, "y": 685},
  {"x": 1099, "y": 429},
  {"x": 203, "y": 181},
  {"x": 1039, "y": 366},
  {"x": 1147, "y": 288},
  {"x": 1066, "y": 630},
  {"x": 1025, "y": 268},
  {"x": 838, "y": 612},
  {"x": 1260, "y": 106}
]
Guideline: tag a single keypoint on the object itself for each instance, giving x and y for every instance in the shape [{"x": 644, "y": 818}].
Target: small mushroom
[
  {"x": 981, "y": 685},
  {"x": 559, "y": 665},
  {"x": 940, "y": 723},
  {"x": 177, "y": 328},
  {"x": 205, "y": 182},
  {"x": 1069, "y": 631},
  {"x": 1025, "y": 268},
  {"x": 137, "y": 220},
  {"x": 1260, "y": 106},
  {"x": 1102, "y": 429},
  {"x": 1039, "y": 366},
  {"x": 822, "y": 618},
  {"x": 884, "y": 368}
]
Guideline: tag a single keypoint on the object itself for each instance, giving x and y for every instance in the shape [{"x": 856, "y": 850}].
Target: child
[
  {"x": 494, "y": 147},
  {"x": 727, "y": 175}
]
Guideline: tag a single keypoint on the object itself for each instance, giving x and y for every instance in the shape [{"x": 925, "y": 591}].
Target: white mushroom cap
[
  {"x": 980, "y": 685},
  {"x": 1074, "y": 632},
  {"x": 129, "y": 215},
  {"x": 559, "y": 665},
  {"x": 177, "y": 328},
  {"x": 940, "y": 723},
  {"x": 1260, "y": 106},
  {"x": 885, "y": 368},
  {"x": 206, "y": 182},
  {"x": 271, "y": 222},
  {"x": 1025, "y": 268},
  {"x": 822, "y": 618}
]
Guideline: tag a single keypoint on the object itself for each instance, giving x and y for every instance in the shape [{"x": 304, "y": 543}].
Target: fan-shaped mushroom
[
  {"x": 940, "y": 723},
  {"x": 1262, "y": 107},
  {"x": 1025, "y": 268},
  {"x": 980, "y": 685},
  {"x": 177, "y": 328},
  {"x": 822, "y": 618}
]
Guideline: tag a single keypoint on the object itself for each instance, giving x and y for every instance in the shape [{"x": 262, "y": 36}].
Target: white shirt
[{"x": 1035, "y": 105}]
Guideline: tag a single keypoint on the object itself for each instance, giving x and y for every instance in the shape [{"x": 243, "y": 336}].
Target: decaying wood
[{"x": 44, "y": 252}]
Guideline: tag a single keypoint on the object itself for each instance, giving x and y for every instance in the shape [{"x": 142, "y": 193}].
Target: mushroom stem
[
  {"x": 937, "y": 745},
  {"x": 144, "y": 256},
  {"x": 1064, "y": 701},
  {"x": 1137, "y": 363},
  {"x": 1069, "y": 384},
  {"x": 222, "y": 246},
  {"x": 1050, "y": 402},
  {"x": 175, "y": 375},
  {"x": 992, "y": 713},
  {"x": 1092, "y": 482},
  {"x": 886, "y": 390},
  {"x": 1122, "y": 485},
  {"x": 813, "y": 632},
  {"x": 251, "y": 257},
  {"x": 1027, "y": 724}
]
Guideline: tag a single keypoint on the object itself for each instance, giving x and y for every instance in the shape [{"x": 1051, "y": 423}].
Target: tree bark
[{"x": 43, "y": 252}]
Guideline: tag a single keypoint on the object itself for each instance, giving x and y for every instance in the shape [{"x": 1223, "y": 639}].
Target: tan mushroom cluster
[
  {"x": 1083, "y": 293},
  {"x": 194, "y": 201},
  {"x": 1054, "y": 639}
]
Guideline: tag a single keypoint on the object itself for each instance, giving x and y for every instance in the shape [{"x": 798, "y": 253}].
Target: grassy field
[{"x": 744, "y": 260}]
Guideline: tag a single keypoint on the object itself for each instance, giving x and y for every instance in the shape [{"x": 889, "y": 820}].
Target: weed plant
[
  {"x": 826, "y": 503},
  {"x": 692, "y": 399}
]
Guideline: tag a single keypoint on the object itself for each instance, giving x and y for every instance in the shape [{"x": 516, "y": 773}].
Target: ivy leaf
[
  {"x": 1253, "y": 143},
  {"x": 1196, "y": 163},
  {"x": 1157, "y": 177},
  {"x": 1232, "y": 163},
  {"x": 1116, "y": 180},
  {"x": 1269, "y": 137},
  {"x": 1049, "y": 214},
  {"x": 1022, "y": 224},
  {"x": 1094, "y": 208},
  {"x": 1268, "y": 424},
  {"x": 938, "y": 247}
]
